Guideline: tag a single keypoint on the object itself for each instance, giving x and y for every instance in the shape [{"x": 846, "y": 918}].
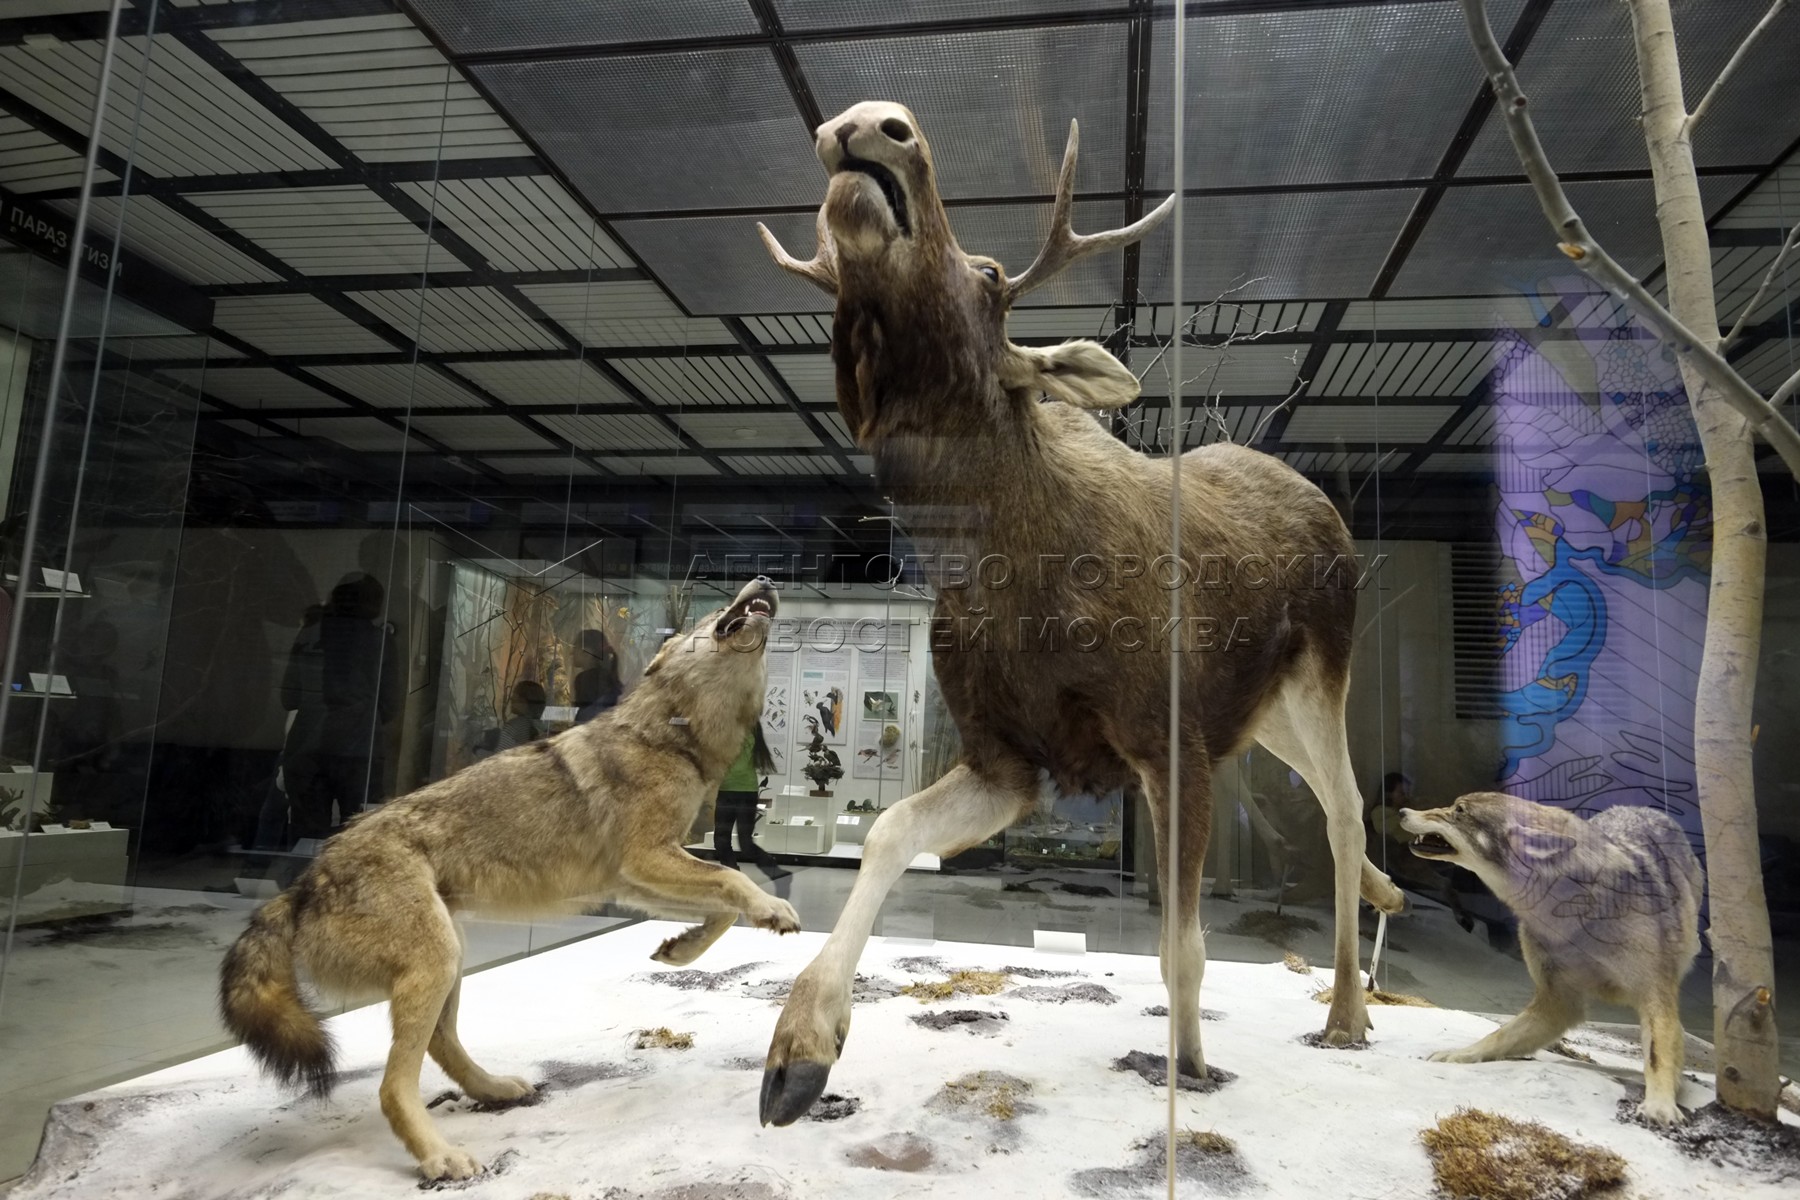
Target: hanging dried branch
[{"x": 1585, "y": 251}]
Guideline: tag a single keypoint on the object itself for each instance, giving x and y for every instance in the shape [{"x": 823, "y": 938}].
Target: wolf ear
[
  {"x": 1541, "y": 847},
  {"x": 1078, "y": 373}
]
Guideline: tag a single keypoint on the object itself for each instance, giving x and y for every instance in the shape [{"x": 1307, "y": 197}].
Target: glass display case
[{"x": 399, "y": 400}]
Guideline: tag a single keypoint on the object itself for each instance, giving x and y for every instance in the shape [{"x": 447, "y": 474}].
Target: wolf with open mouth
[
  {"x": 596, "y": 813},
  {"x": 1608, "y": 908}
]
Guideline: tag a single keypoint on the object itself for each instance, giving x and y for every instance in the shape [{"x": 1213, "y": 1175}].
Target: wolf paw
[
  {"x": 1455, "y": 1056},
  {"x": 502, "y": 1089},
  {"x": 1661, "y": 1112},
  {"x": 679, "y": 950},
  {"x": 449, "y": 1163},
  {"x": 777, "y": 916}
]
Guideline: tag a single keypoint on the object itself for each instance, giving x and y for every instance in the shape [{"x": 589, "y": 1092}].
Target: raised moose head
[{"x": 918, "y": 318}]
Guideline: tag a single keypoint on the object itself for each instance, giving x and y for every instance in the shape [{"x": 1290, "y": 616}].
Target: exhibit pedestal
[{"x": 32, "y": 865}]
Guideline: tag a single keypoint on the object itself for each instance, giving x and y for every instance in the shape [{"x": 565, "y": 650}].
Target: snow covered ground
[{"x": 662, "y": 1124}]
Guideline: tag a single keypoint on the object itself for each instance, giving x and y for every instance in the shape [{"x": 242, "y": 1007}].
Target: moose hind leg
[{"x": 1304, "y": 727}]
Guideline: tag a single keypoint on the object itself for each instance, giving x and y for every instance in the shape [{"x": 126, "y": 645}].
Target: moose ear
[{"x": 1078, "y": 373}]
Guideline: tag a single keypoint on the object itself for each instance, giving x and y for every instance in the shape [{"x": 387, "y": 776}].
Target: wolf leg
[
  {"x": 669, "y": 875},
  {"x": 1664, "y": 1053},
  {"x": 956, "y": 812},
  {"x": 448, "y": 1050},
  {"x": 416, "y": 1000},
  {"x": 1550, "y": 1014}
]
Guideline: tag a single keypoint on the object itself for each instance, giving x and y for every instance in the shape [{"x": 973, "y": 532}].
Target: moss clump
[
  {"x": 1207, "y": 1141},
  {"x": 960, "y": 983},
  {"x": 997, "y": 1095},
  {"x": 1477, "y": 1155},
  {"x": 1296, "y": 964},
  {"x": 1379, "y": 996},
  {"x": 662, "y": 1038}
]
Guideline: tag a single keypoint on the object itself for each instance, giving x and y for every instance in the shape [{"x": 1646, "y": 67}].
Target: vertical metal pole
[{"x": 1172, "y": 893}]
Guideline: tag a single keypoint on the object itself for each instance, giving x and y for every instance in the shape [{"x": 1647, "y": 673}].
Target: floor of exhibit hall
[
  {"x": 120, "y": 998},
  {"x": 1029, "y": 1089}
]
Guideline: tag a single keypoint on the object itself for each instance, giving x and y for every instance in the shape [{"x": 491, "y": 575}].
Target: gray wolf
[
  {"x": 1609, "y": 908},
  {"x": 1050, "y": 641},
  {"x": 597, "y": 812}
]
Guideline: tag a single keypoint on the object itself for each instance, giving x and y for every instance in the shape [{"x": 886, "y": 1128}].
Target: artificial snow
[{"x": 617, "y": 1123}]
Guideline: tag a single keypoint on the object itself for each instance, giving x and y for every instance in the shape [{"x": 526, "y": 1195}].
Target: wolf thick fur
[
  {"x": 1608, "y": 908},
  {"x": 597, "y": 812}
]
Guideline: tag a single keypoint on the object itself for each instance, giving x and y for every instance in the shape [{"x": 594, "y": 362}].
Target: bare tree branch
[
  {"x": 1786, "y": 391},
  {"x": 1718, "y": 85},
  {"x": 1256, "y": 433},
  {"x": 1593, "y": 260},
  {"x": 1774, "y": 270}
]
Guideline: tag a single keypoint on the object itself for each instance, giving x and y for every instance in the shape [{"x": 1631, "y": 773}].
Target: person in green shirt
[{"x": 736, "y": 806}]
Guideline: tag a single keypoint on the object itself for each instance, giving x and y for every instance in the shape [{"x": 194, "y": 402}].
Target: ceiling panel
[
  {"x": 157, "y": 348},
  {"x": 256, "y": 388},
  {"x": 520, "y": 223},
  {"x": 294, "y": 325},
  {"x": 613, "y": 431},
  {"x": 994, "y": 106},
  {"x": 399, "y": 385},
  {"x": 356, "y": 433},
  {"x": 171, "y": 241},
  {"x": 1772, "y": 204},
  {"x": 1014, "y": 233},
  {"x": 1770, "y": 365},
  {"x": 761, "y": 430},
  {"x": 852, "y": 14},
  {"x": 798, "y": 330},
  {"x": 717, "y": 265},
  {"x": 632, "y": 313},
  {"x": 448, "y": 320},
  {"x": 377, "y": 85},
  {"x": 1495, "y": 239},
  {"x": 812, "y": 376},
  {"x": 781, "y": 464},
  {"x": 558, "y": 466},
  {"x": 1087, "y": 322},
  {"x": 1368, "y": 367},
  {"x": 194, "y": 120},
  {"x": 1581, "y": 75},
  {"x": 495, "y": 432},
  {"x": 1248, "y": 370},
  {"x": 35, "y": 162},
  {"x": 699, "y": 129},
  {"x": 1480, "y": 312},
  {"x": 329, "y": 230},
  {"x": 1366, "y": 422},
  {"x": 1282, "y": 247},
  {"x": 482, "y": 26},
  {"x": 716, "y": 380},
  {"x": 1341, "y": 94},
  {"x": 690, "y": 464},
  {"x": 552, "y": 381}
]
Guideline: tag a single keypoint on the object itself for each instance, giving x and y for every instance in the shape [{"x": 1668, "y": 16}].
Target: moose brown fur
[{"x": 981, "y": 469}]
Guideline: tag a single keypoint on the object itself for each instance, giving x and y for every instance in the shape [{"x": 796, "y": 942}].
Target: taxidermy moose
[{"x": 980, "y": 468}]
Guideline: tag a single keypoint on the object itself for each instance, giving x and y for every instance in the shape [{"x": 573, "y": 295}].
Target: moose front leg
[
  {"x": 1183, "y": 945},
  {"x": 946, "y": 818}
]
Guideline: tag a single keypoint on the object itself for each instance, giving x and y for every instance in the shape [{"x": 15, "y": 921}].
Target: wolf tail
[{"x": 259, "y": 997}]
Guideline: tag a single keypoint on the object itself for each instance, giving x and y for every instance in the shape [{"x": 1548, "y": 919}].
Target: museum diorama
[{"x": 753, "y": 599}]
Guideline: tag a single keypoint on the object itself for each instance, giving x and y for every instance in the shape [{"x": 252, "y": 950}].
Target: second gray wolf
[
  {"x": 597, "y": 812},
  {"x": 1608, "y": 907}
]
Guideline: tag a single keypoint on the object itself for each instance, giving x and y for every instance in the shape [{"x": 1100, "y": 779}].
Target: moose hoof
[{"x": 788, "y": 1091}]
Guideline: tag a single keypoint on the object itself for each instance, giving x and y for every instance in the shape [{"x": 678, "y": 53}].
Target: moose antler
[
  {"x": 1064, "y": 245},
  {"x": 820, "y": 269}
]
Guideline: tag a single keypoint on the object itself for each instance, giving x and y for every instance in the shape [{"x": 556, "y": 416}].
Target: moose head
[{"x": 919, "y": 318}]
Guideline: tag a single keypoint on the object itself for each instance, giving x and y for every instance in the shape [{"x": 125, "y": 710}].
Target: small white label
[
  {"x": 61, "y": 581},
  {"x": 847, "y": 819},
  {"x": 24, "y": 768},
  {"x": 59, "y": 684},
  {"x": 39, "y": 682},
  {"x": 1056, "y": 941},
  {"x": 56, "y": 829},
  {"x": 678, "y": 720}
]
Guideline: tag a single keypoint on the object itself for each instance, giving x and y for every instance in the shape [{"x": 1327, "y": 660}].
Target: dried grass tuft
[
  {"x": 662, "y": 1038},
  {"x": 1379, "y": 996},
  {"x": 1296, "y": 964},
  {"x": 1477, "y": 1155},
  {"x": 960, "y": 983}
]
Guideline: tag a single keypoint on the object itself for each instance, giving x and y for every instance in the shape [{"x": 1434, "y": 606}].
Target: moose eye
[
  {"x": 1461, "y": 807},
  {"x": 992, "y": 272}
]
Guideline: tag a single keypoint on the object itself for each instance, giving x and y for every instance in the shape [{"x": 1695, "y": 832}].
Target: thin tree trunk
[{"x": 1743, "y": 960}]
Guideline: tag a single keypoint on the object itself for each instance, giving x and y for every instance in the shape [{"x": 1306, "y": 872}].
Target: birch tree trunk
[{"x": 1743, "y": 959}]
